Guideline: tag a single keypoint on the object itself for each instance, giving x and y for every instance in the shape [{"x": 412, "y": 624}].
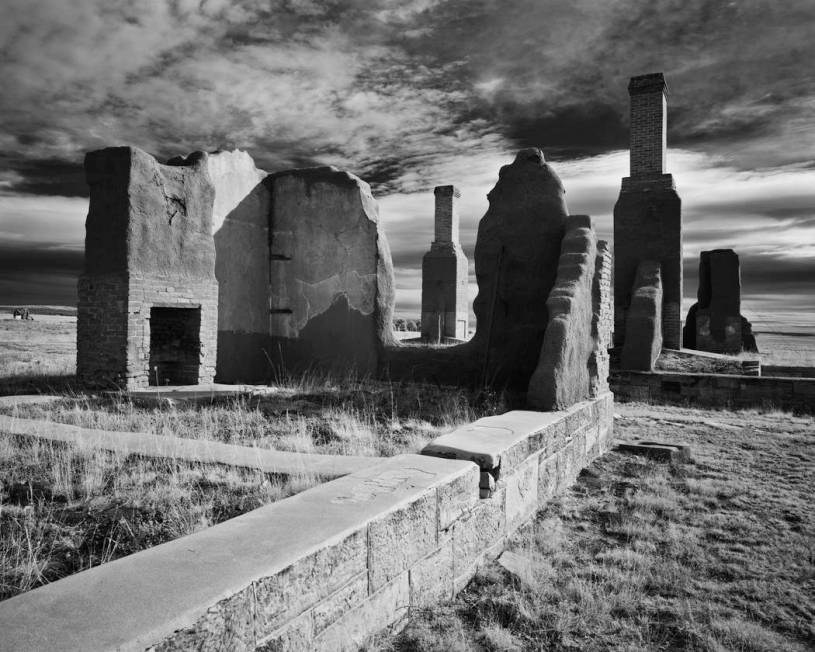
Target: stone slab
[
  {"x": 504, "y": 441},
  {"x": 658, "y": 451},
  {"x": 142, "y": 599},
  {"x": 487, "y": 440}
]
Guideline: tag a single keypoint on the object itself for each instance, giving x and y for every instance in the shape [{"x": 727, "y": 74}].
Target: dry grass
[
  {"x": 66, "y": 508},
  {"x": 718, "y": 554},
  {"x": 306, "y": 415},
  {"x": 43, "y": 347}
]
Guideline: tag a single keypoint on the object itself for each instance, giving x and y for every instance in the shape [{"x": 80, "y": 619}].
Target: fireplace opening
[{"x": 175, "y": 346}]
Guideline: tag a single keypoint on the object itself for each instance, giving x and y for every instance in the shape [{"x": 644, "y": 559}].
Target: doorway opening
[{"x": 175, "y": 346}]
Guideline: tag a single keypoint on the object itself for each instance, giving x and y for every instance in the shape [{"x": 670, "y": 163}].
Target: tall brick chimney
[
  {"x": 445, "y": 311},
  {"x": 648, "y": 212},
  {"x": 446, "y": 213},
  {"x": 649, "y": 124}
]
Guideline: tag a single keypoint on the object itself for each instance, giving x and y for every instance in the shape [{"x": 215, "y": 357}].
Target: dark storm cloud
[
  {"x": 36, "y": 274},
  {"x": 43, "y": 258},
  {"x": 373, "y": 85},
  {"x": 764, "y": 275},
  {"x": 411, "y": 93}
]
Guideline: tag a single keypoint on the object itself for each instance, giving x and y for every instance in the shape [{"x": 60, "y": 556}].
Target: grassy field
[
  {"x": 325, "y": 416},
  {"x": 66, "y": 508},
  {"x": 43, "y": 347},
  {"x": 718, "y": 554}
]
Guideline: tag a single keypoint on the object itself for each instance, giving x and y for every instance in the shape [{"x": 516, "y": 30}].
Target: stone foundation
[
  {"x": 713, "y": 390},
  {"x": 325, "y": 569}
]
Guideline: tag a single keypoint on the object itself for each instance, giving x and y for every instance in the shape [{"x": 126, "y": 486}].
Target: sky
[{"x": 410, "y": 94}]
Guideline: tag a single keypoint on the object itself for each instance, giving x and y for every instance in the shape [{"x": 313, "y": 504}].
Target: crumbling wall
[
  {"x": 331, "y": 276},
  {"x": 643, "y": 324},
  {"x": 516, "y": 262},
  {"x": 148, "y": 243},
  {"x": 603, "y": 320},
  {"x": 714, "y": 322},
  {"x": 241, "y": 224},
  {"x": 562, "y": 376}
]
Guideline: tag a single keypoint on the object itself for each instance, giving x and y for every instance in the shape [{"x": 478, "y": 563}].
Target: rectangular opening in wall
[{"x": 175, "y": 346}]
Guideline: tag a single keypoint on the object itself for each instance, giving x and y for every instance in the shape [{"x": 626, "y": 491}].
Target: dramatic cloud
[{"x": 411, "y": 94}]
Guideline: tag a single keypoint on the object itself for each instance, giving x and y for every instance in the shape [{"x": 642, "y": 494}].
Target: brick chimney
[
  {"x": 649, "y": 120},
  {"x": 446, "y": 213}
]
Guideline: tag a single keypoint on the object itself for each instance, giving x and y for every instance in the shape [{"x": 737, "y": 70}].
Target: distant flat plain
[{"x": 47, "y": 345}]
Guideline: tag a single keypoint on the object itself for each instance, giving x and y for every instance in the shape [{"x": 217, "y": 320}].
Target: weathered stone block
[
  {"x": 476, "y": 532},
  {"x": 658, "y": 451},
  {"x": 399, "y": 539},
  {"x": 306, "y": 582},
  {"x": 522, "y": 493},
  {"x": 431, "y": 578},
  {"x": 457, "y": 497},
  {"x": 388, "y": 605},
  {"x": 497, "y": 442},
  {"x": 228, "y": 625},
  {"x": 344, "y": 599},
  {"x": 295, "y": 636},
  {"x": 547, "y": 477}
]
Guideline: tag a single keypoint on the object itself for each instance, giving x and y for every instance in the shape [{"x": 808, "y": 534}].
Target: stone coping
[
  {"x": 499, "y": 443},
  {"x": 190, "y": 450},
  {"x": 139, "y": 600}
]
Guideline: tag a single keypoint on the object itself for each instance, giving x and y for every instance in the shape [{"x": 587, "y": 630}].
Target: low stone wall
[
  {"x": 715, "y": 390},
  {"x": 702, "y": 362},
  {"x": 788, "y": 372},
  {"x": 326, "y": 568}
]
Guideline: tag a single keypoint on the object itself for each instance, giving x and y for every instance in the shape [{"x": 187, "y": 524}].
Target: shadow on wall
[
  {"x": 305, "y": 283},
  {"x": 304, "y": 270},
  {"x": 242, "y": 270}
]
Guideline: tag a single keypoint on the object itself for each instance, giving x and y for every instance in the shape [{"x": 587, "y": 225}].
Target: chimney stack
[
  {"x": 649, "y": 120},
  {"x": 446, "y": 213}
]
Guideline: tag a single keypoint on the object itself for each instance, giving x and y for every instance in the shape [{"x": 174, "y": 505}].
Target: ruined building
[
  {"x": 715, "y": 322},
  {"x": 648, "y": 224},
  {"x": 208, "y": 268},
  {"x": 148, "y": 297},
  {"x": 445, "y": 309}
]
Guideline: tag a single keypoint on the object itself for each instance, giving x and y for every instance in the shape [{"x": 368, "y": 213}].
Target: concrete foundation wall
[
  {"x": 712, "y": 390},
  {"x": 326, "y": 568}
]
